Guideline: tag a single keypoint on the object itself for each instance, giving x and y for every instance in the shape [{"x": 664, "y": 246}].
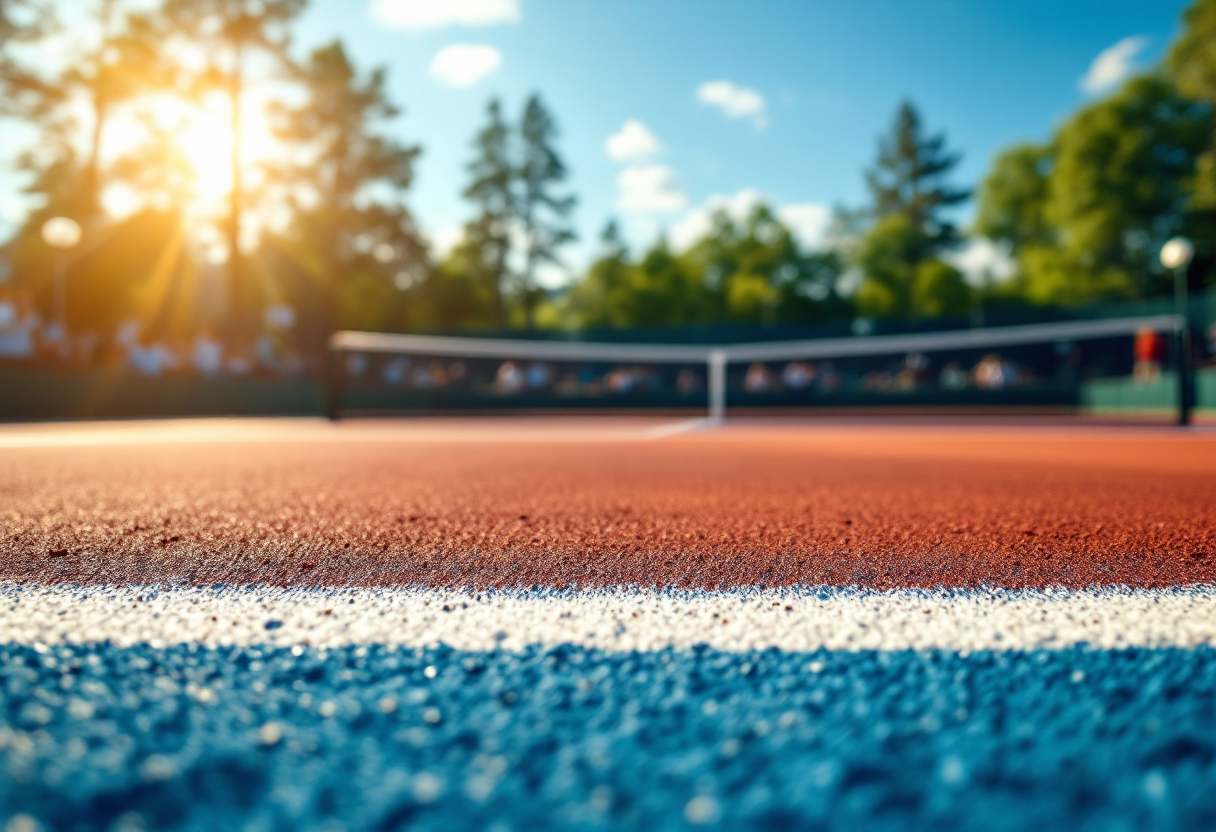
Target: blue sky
[
  {"x": 730, "y": 100},
  {"x": 829, "y": 74}
]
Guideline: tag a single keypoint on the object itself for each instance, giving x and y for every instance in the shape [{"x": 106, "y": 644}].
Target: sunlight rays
[{"x": 200, "y": 133}]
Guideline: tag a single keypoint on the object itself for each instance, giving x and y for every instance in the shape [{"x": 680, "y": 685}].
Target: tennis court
[{"x": 522, "y": 623}]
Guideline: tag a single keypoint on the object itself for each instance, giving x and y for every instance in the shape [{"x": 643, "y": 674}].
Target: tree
[
  {"x": 1086, "y": 217},
  {"x": 492, "y": 192},
  {"x": 1013, "y": 198},
  {"x": 122, "y": 66},
  {"x": 909, "y": 178},
  {"x": 910, "y": 200},
  {"x": 755, "y": 273},
  {"x": 109, "y": 270},
  {"x": 750, "y": 271},
  {"x": 889, "y": 255},
  {"x": 667, "y": 290},
  {"x": 116, "y": 67},
  {"x": 452, "y": 295},
  {"x": 346, "y": 184},
  {"x": 232, "y": 33},
  {"x": 939, "y": 290},
  {"x": 1192, "y": 62},
  {"x": 543, "y": 214},
  {"x": 602, "y": 298},
  {"x": 21, "y": 89}
]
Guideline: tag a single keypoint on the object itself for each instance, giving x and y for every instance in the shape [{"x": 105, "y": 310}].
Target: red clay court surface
[{"x": 604, "y": 502}]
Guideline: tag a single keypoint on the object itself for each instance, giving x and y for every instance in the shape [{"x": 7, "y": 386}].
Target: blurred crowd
[
  {"x": 992, "y": 372},
  {"x": 913, "y": 371},
  {"x": 28, "y": 339}
]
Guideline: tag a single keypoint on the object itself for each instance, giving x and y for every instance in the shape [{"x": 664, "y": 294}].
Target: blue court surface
[
  {"x": 260, "y": 735},
  {"x": 98, "y": 737}
]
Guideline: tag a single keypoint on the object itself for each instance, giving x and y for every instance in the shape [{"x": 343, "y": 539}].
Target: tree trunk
[
  {"x": 500, "y": 276},
  {"x": 235, "y": 200},
  {"x": 92, "y": 173}
]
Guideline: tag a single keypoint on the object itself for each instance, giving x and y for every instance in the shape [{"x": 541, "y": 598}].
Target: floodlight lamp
[
  {"x": 61, "y": 232},
  {"x": 1177, "y": 253}
]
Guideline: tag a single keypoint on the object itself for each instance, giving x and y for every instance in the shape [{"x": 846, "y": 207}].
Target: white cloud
[
  {"x": 1113, "y": 65},
  {"x": 691, "y": 227},
  {"x": 807, "y": 221},
  {"x": 632, "y": 143},
  {"x": 437, "y": 14},
  {"x": 734, "y": 101},
  {"x": 981, "y": 261},
  {"x": 649, "y": 189},
  {"x": 464, "y": 64}
]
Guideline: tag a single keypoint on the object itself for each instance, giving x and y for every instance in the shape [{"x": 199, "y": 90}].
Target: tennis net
[{"x": 1051, "y": 365}]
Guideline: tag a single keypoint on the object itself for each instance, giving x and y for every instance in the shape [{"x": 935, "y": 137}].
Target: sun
[
  {"x": 206, "y": 140},
  {"x": 201, "y": 135}
]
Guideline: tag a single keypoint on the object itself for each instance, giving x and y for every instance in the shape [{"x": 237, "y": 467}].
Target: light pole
[
  {"x": 61, "y": 234},
  {"x": 1176, "y": 255}
]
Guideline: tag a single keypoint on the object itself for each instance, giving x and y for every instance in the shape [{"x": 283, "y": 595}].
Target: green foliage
[
  {"x": 543, "y": 214},
  {"x": 351, "y": 232},
  {"x": 909, "y": 178},
  {"x": 938, "y": 290},
  {"x": 1013, "y": 198},
  {"x": 488, "y": 236},
  {"x": 1086, "y": 217},
  {"x": 604, "y": 296},
  {"x": 750, "y": 298},
  {"x": 888, "y": 256},
  {"x": 898, "y": 254},
  {"x": 1192, "y": 58},
  {"x": 749, "y": 272},
  {"x": 515, "y": 173},
  {"x": 1122, "y": 173},
  {"x": 1192, "y": 63}
]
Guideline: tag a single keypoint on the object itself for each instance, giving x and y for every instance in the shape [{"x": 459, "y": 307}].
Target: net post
[
  {"x": 1183, "y": 335},
  {"x": 717, "y": 385},
  {"x": 1185, "y": 370},
  {"x": 333, "y": 380}
]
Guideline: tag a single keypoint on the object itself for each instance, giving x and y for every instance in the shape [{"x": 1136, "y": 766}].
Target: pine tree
[
  {"x": 232, "y": 33},
  {"x": 898, "y": 254},
  {"x": 543, "y": 214},
  {"x": 909, "y": 179},
  {"x": 349, "y": 191},
  {"x": 492, "y": 192},
  {"x": 116, "y": 67},
  {"x": 124, "y": 64}
]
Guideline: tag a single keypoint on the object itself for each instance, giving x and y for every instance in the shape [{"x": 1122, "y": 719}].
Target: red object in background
[{"x": 1150, "y": 346}]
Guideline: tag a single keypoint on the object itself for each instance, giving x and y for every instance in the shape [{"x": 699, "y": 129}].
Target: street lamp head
[
  {"x": 1177, "y": 253},
  {"x": 61, "y": 232}
]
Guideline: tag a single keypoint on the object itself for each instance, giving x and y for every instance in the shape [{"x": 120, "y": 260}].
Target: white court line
[
  {"x": 677, "y": 428},
  {"x": 316, "y": 431},
  {"x": 619, "y": 619}
]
